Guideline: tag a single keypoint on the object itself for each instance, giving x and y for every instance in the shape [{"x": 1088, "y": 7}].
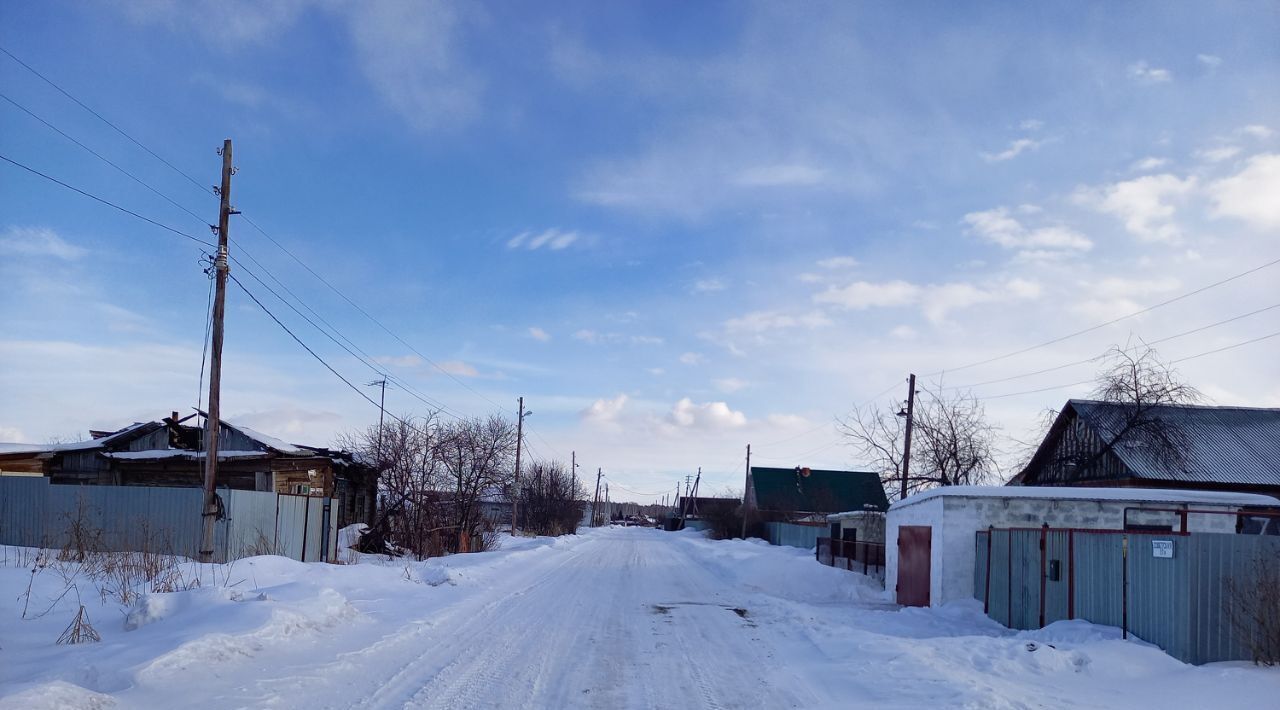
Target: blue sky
[{"x": 675, "y": 229}]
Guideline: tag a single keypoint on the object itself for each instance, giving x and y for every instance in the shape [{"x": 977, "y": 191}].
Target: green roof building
[{"x": 793, "y": 493}]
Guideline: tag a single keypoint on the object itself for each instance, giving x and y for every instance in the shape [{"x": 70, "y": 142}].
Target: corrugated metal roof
[{"x": 1222, "y": 444}]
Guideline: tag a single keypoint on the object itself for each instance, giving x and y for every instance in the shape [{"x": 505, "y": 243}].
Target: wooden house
[{"x": 169, "y": 452}]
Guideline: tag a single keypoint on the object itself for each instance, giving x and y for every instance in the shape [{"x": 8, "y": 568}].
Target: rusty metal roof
[{"x": 1222, "y": 444}]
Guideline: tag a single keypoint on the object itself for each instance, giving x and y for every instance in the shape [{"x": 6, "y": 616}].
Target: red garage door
[{"x": 914, "y": 543}]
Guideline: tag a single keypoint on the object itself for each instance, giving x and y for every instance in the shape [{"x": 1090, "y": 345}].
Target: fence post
[
  {"x": 324, "y": 530},
  {"x": 986, "y": 594},
  {"x": 1124, "y": 587},
  {"x": 306, "y": 520},
  {"x": 1044, "y": 530},
  {"x": 1071, "y": 574}
]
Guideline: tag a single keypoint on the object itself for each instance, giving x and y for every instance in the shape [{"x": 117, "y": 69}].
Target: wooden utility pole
[
  {"x": 746, "y": 493},
  {"x": 906, "y": 447},
  {"x": 212, "y": 420},
  {"x": 595, "y": 502},
  {"x": 515, "y": 500}
]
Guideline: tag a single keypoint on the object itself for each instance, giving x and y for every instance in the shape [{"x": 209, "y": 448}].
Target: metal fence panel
[
  {"x": 1159, "y": 592},
  {"x": 34, "y": 513},
  {"x": 981, "y": 543},
  {"x": 1025, "y": 579},
  {"x": 791, "y": 535},
  {"x": 1057, "y": 545},
  {"x": 23, "y": 510},
  {"x": 998, "y": 601},
  {"x": 1099, "y": 578}
]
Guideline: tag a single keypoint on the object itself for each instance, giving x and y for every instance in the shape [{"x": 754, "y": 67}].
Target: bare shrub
[
  {"x": 79, "y": 630},
  {"x": 83, "y": 537},
  {"x": 1253, "y": 608},
  {"x": 549, "y": 499}
]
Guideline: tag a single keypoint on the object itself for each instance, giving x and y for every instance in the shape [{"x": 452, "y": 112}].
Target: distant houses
[
  {"x": 168, "y": 452},
  {"x": 1095, "y": 443}
]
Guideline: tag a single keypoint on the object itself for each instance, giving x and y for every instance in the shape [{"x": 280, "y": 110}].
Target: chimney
[{"x": 174, "y": 418}]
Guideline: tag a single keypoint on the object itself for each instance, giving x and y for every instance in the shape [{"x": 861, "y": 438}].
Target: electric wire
[
  {"x": 100, "y": 117},
  {"x": 1104, "y": 355},
  {"x": 109, "y": 203},
  {"x": 104, "y": 159},
  {"x": 1092, "y": 328},
  {"x": 1171, "y": 362}
]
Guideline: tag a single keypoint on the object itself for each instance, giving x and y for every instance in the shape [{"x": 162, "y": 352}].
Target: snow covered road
[{"x": 614, "y": 618}]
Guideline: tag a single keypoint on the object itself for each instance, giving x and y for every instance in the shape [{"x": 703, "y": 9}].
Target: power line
[
  {"x": 1100, "y": 357},
  {"x": 367, "y": 315},
  {"x": 100, "y": 117},
  {"x": 1171, "y": 362},
  {"x": 108, "y": 203},
  {"x": 104, "y": 159},
  {"x": 1092, "y": 328},
  {"x": 306, "y": 347},
  {"x": 253, "y": 224}
]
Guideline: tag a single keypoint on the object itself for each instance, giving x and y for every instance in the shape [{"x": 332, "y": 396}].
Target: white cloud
[
  {"x": 12, "y": 435},
  {"x": 758, "y": 322},
  {"x": 1209, "y": 60},
  {"x": 1148, "y": 164},
  {"x": 1258, "y": 131},
  {"x": 1219, "y": 154},
  {"x": 709, "y": 415},
  {"x": 1145, "y": 73},
  {"x": 861, "y": 295},
  {"x": 1015, "y": 148},
  {"x": 903, "y": 332},
  {"x": 999, "y": 227},
  {"x": 459, "y": 368},
  {"x": 539, "y": 334},
  {"x": 1253, "y": 194},
  {"x": 729, "y": 385},
  {"x": 782, "y": 175},
  {"x": 38, "y": 241},
  {"x": 408, "y": 52},
  {"x": 692, "y": 358},
  {"x": 553, "y": 239},
  {"x": 810, "y": 278},
  {"x": 587, "y": 335},
  {"x": 1031, "y": 124},
  {"x": 838, "y": 262},
  {"x": 605, "y": 410},
  {"x": 1144, "y": 204},
  {"x": 708, "y": 285}
]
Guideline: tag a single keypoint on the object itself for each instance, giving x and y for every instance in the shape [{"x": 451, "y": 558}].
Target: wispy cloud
[
  {"x": 553, "y": 239},
  {"x": 708, "y": 285},
  {"x": 38, "y": 241},
  {"x": 1015, "y": 148},
  {"x": 539, "y": 334},
  {"x": 998, "y": 226},
  {"x": 1144, "y": 73},
  {"x": 1146, "y": 205},
  {"x": 838, "y": 262},
  {"x": 1209, "y": 60}
]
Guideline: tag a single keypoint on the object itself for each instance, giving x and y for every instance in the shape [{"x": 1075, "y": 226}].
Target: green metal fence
[{"x": 1166, "y": 588}]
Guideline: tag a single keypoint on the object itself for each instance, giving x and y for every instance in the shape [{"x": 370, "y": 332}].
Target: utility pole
[
  {"x": 212, "y": 420},
  {"x": 595, "y": 502},
  {"x": 906, "y": 447},
  {"x": 746, "y": 493},
  {"x": 515, "y": 500},
  {"x": 382, "y": 412}
]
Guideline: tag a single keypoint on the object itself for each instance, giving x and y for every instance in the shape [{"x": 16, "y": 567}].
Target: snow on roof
[
  {"x": 156, "y": 454},
  {"x": 268, "y": 441},
  {"x": 1136, "y": 495}
]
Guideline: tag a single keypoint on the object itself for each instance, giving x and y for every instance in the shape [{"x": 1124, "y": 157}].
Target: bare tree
[
  {"x": 952, "y": 443},
  {"x": 405, "y": 451},
  {"x": 1146, "y": 387},
  {"x": 477, "y": 457}
]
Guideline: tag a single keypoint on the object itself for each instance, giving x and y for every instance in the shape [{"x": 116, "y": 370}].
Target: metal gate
[{"x": 915, "y": 544}]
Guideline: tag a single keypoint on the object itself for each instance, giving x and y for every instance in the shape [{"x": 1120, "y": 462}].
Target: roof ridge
[{"x": 1076, "y": 400}]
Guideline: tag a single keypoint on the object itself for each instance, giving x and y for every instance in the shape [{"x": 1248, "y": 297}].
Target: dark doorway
[{"x": 914, "y": 546}]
